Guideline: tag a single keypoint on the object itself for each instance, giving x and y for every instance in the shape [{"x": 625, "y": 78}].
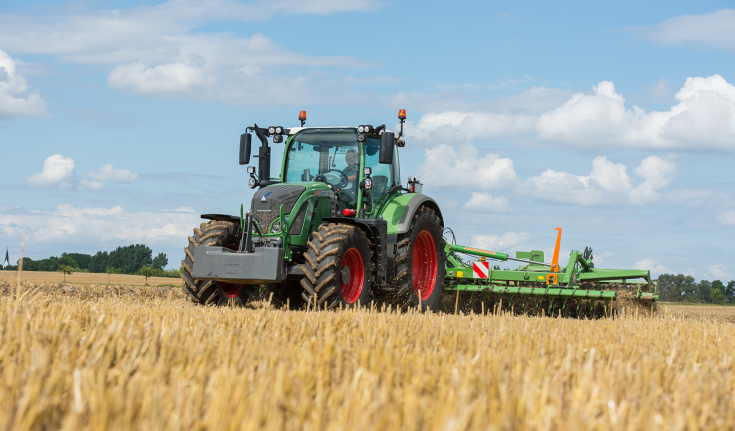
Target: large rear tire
[
  {"x": 339, "y": 267},
  {"x": 207, "y": 292},
  {"x": 420, "y": 261}
]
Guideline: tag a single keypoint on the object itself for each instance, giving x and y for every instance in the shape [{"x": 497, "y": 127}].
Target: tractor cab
[{"x": 336, "y": 157}]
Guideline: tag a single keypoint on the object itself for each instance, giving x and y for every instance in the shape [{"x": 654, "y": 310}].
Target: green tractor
[
  {"x": 335, "y": 229},
  {"x": 338, "y": 229}
]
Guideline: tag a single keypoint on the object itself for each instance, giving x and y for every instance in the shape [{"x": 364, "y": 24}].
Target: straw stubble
[{"x": 141, "y": 358}]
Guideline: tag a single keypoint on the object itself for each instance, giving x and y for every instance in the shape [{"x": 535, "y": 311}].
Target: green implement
[{"x": 574, "y": 286}]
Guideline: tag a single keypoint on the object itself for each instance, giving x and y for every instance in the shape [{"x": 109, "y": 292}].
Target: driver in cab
[
  {"x": 351, "y": 170},
  {"x": 351, "y": 173}
]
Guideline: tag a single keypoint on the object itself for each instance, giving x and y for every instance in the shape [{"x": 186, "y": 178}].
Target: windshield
[{"x": 329, "y": 155}]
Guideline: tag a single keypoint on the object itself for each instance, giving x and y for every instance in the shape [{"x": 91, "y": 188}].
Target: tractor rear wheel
[
  {"x": 420, "y": 261},
  {"x": 339, "y": 267},
  {"x": 206, "y": 292}
]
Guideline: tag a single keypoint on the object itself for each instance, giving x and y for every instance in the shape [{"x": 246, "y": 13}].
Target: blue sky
[{"x": 119, "y": 121}]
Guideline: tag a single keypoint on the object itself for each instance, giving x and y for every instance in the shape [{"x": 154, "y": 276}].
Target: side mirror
[
  {"x": 245, "y": 140},
  {"x": 387, "y": 142}
]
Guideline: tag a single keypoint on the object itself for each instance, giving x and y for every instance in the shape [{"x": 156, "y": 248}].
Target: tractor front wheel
[
  {"x": 339, "y": 267},
  {"x": 206, "y": 292},
  {"x": 420, "y": 262}
]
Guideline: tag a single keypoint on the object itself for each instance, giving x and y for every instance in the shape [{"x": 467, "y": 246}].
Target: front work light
[
  {"x": 251, "y": 169},
  {"x": 367, "y": 170},
  {"x": 271, "y": 130}
]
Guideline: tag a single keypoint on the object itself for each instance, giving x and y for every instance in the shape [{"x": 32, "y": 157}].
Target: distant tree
[
  {"x": 717, "y": 296},
  {"x": 730, "y": 292},
  {"x": 131, "y": 258},
  {"x": 160, "y": 261},
  {"x": 147, "y": 271},
  {"x": 67, "y": 260},
  {"x": 677, "y": 288},
  {"x": 703, "y": 292},
  {"x": 109, "y": 271},
  {"x": 66, "y": 269},
  {"x": 82, "y": 261}
]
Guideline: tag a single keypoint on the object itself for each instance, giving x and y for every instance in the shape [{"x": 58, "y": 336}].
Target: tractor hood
[{"x": 267, "y": 201}]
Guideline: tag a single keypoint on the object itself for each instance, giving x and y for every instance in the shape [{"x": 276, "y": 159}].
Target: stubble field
[
  {"x": 85, "y": 277},
  {"x": 99, "y": 357}
]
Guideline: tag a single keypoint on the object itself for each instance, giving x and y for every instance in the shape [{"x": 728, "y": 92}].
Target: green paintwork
[
  {"x": 478, "y": 252},
  {"x": 393, "y": 210},
  {"x": 307, "y": 198},
  {"x": 460, "y": 277}
]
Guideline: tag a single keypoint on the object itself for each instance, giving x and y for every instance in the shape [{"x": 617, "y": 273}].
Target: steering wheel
[{"x": 343, "y": 180}]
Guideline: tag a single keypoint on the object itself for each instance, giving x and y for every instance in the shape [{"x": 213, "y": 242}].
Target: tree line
[
  {"x": 132, "y": 259},
  {"x": 684, "y": 288}
]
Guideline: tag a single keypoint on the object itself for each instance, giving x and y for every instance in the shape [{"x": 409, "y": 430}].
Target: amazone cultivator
[
  {"x": 578, "y": 290},
  {"x": 337, "y": 228}
]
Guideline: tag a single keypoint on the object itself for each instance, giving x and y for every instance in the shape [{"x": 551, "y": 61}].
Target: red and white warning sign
[{"x": 481, "y": 269}]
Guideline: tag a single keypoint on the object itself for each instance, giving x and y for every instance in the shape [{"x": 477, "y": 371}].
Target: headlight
[
  {"x": 251, "y": 182},
  {"x": 279, "y": 130},
  {"x": 360, "y": 129},
  {"x": 276, "y": 228},
  {"x": 271, "y": 130},
  {"x": 368, "y": 183}
]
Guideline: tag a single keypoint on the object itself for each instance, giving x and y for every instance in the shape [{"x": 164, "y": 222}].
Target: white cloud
[
  {"x": 74, "y": 225},
  {"x": 504, "y": 116},
  {"x": 607, "y": 184},
  {"x": 90, "y": 185},
  {"x": 703, "y": 119},
  {"x": 109, "y": 173},
  {"x": 157, "y": 51},
  {"x": 15, "y": 97},
  {"x": 460, "y": 166},
  {"x": 601, "y": 258},
  {"x": 502, "y": 242},
  {"x": 653, "y": 266},
  {"x": 727, "y": 218},
  {"x": 660, "y": 90},
  {"x": 716, "y": 29},
  {"x": 487, "y": 203},
  {"x": 717, "y": 272},
  {"x": 478, "y": 125},
  {"x": 162, "y": 80},
  {"x": 58, "y": 171}
]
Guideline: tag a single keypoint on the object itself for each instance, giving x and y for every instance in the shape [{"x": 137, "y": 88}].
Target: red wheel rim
[
  {"x": 352, "y": 260},
  {"x": 229, "y": 289},
  {"x": 424, "y": 264}
]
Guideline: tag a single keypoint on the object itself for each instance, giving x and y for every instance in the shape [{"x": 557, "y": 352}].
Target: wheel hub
[
  {"x": 345, "y": 274},
  {"x": 352, "y": 274}
]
